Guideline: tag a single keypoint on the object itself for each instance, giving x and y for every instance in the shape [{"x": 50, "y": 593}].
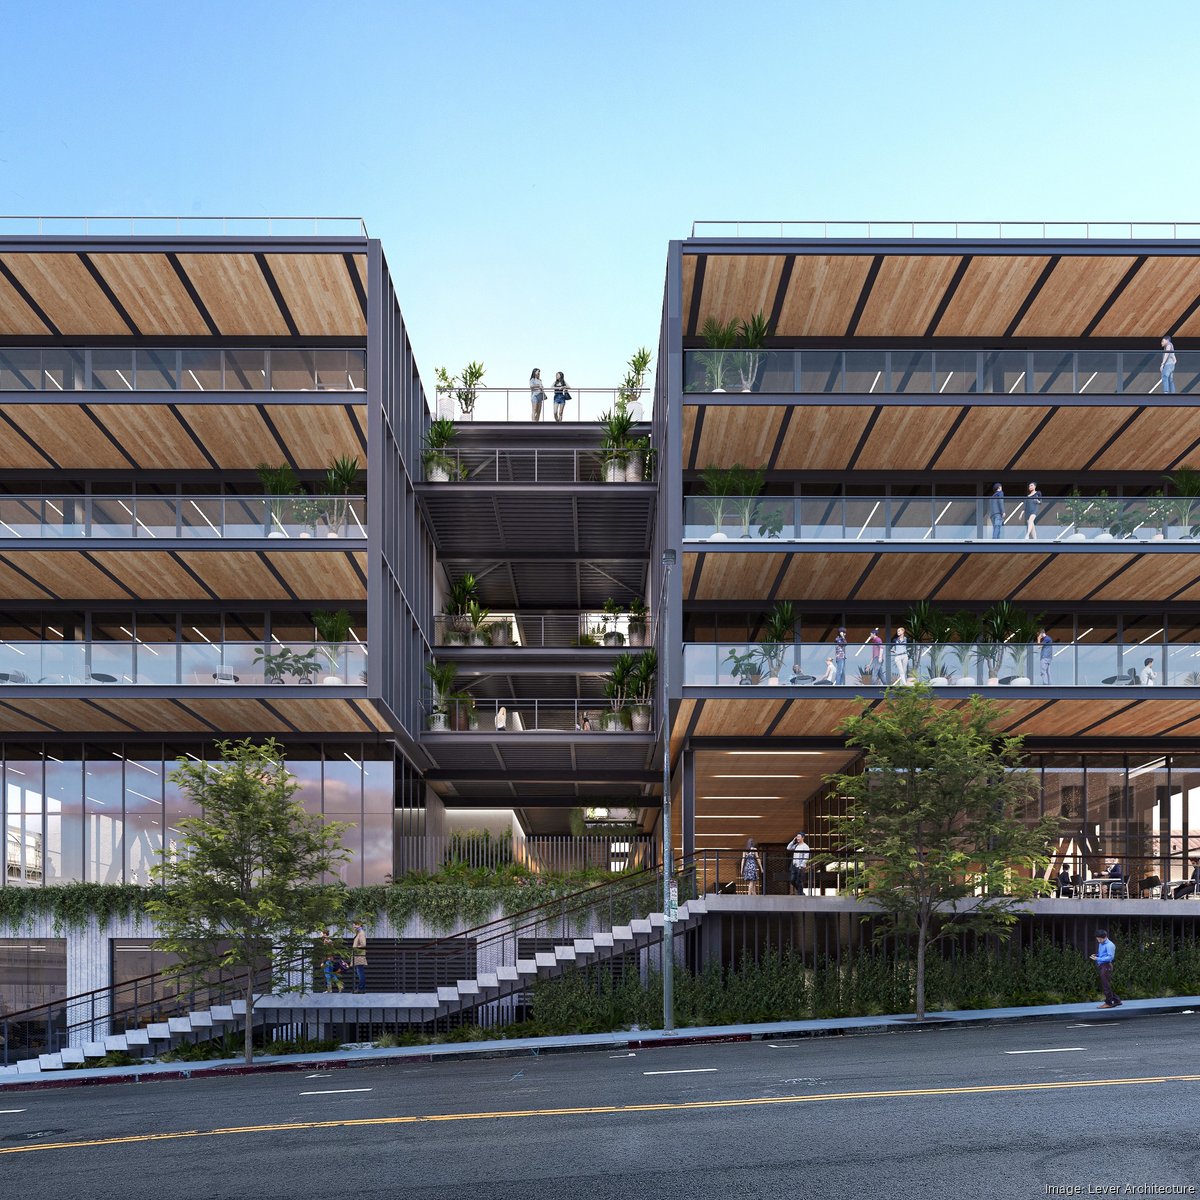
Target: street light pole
[{"x": 670, "y": 888}]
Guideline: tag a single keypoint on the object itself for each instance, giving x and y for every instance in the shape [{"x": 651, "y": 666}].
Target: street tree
[
  {"x": 242, "y": 890},
  {"x": 934, "y": 820}
]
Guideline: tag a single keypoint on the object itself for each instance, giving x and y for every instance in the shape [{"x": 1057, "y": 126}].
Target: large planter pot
[
  {"x": 436, "y": 474},
  {"x": 718, "y": 536},
  {"x": 610, "y": 722},
  {"x": 501, "y": 635},
  {"x": 438, "y": 722},
  {"x": 637, "y": 633},
  {"x": 614, "y": 472},
  {"x": 640, "y": 716},
  {"x": 333, "y": 680},
  {"x": 276, "y": 533},
  {"x": 614, "y": 640},
  {"x": 635, "y": 469}
]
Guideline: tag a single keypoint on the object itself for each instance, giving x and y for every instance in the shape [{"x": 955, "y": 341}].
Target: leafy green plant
[
  {"x": 779, "y": 629},
  {"x": 1185, "y": 488},
  {"x": 617, "y": 685},
  {"x": 630, "y": 391},
  {"x": 341, "y": 481},
  {"x": 441, "y": 679},
  {"x": 464, "y": 387},
  {"x": 437, "y": 455},
  {"x": 965, "y": 628},
  {"x": 333, "y": 628},
  {"x": 735, "y": 487},
  {"x": 745, "y": 665},
  {"x": 769, "y": 521},
  {"x": 277, "y": 483},
  {"x": 753, "y": 333},
  {"x": 720, "y": 338}
]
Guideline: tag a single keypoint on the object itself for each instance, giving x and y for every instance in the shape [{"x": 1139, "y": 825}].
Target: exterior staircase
[{"x": 507, "y": 974}]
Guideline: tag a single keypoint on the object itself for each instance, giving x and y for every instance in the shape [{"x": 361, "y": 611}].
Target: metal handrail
[
  {"x": 587, "y": 404},
  {"x": 956, "y": 230},
  {"x": 180, "y": 223}
]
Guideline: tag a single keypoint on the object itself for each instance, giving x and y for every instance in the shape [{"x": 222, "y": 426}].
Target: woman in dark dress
[{"x": 1033, "y": 501}]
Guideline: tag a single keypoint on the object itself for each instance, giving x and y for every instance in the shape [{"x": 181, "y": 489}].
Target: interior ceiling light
[
  {"x": 729, "y": 816},
  {"x": 756, "y": 776},
  {"x": 741, "y": 797}
]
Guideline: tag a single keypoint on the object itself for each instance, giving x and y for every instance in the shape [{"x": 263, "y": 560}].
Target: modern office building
[{"x": 906, "y": 373}]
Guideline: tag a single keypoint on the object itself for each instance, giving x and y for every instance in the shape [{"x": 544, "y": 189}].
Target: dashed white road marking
[
  {"x": 336, "y": 1091},
  {"x": 1055, "y": 1050},
  {"x": 685, "y": 1071},
  {"x": 11, "y": 1110}
]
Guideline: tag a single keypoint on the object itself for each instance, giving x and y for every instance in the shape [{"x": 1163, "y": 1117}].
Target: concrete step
[
  {"x": 136, "y": 1037},
  {"x": 507, "y": 974},
  {"x": 49, "y": 1062},
  {"x": 116, "y": 1041},
  {"x": 223, "y": 1012},
  {"x": 71, "y": 1056},
  {"x": 490, "y": 980},
  {"x": 622, "y": 933},
  {"x": 564, "y": 953},
  {"x": 94, "y": 1050},
  {"x": 239, "y": 1008},
  {"x": 545, "y": 958},
  {"x": 467, "y": 987},
  {"x": 447, "y": 993},
  {"x": 526, "y": 966},
  {"x": 585, "y": 946},
  {"x": 29, "y": 1066},
  {"x": 200, "y": 1020},
  {"x": 159, "y": 1031},
  {"x": 603, "y": 941},
  {"x": 641, "y": 927},
  {"x": 179, "y": 1025},
  {"x": 11, "y": 1070}
]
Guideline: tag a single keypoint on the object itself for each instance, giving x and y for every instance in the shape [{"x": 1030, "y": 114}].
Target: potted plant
[
  {"x": 501, "y": 633},
  {"x": 277, "y": 483},
  {"x": 462, "y": 714},
  {"x": 441, "y": 679},
  {"x": 341, "y": 481},
  {"x": 613, "y": 637},
  {"x": 752, "y": 339},
  {"x": 1107, "y": 510},
  {"x": 1185, "y": 488},
  {"x": 464, "y": 388},
  {"x": 780, "y": 629},
  {"x": 638, "y": 613},
  {"x": 478, "y": 617},
  {"x": 308, "y": 510},
  {"x": 642, "y": 689},
  {"x": 333, "y": 628},
  {"x": 275, "y": 663},
  {"x": 440, "y": 463},
  {"x": 629, "y": 395},
  {"x": 305, "y": 666},
  {"x": 965, "y": 628},
  {"x": 720, "y": 339},
  {"x": 1076, "y": 510},
  {"x": 769, "y": 521},
  {"x": 616, "y": 688},
  {"x": 615, "y": 444},
  {"x": 635, "y": 464},
  {"x": 928, "y": 631},
  {"x": 587, "y": 641},
  {"x": 727, "y": 487},
  {"x": 746, "y": 666},
  {"x": 1160, "y": 513},
  {"x": 463, "y": 591}
]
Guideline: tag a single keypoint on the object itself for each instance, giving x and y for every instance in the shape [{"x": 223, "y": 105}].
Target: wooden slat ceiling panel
[
  {"x": 14, "y": 585},
  {"x": 16, "y": 317},
  {"x": 822, "y": 294},
  {"x": 748, "y": 576},
  {"x": 316, "y": 434},
  {"x": 240, "y": 575},
  {"x": 822, "y": 576},
  {"x": 71, "y": 715},
  {"x": 68, "y": 574},
  {"x": 319, "y": 576},
  {"x": 989, "y": 576},
  {"x": 64, "y": 290},
  {"x": 815, "y": 718},
  {"x": 905, "y": 576},
  {"x": 234, "y": 434},
  {"x": 152, "y": 574},
  {"x": 904, "y": 439},
  {"x": 1154, "y": 299},
  {"x": 1071, "y": 438},
  {"x": 1154, "y": 577},
  {"x": 688, "y": 281},
  {"x": 736, "y": 718},
  {"x": 1147, "y": 717},
  {"x": 151, "y": 293},
  {"x": 151, "y": 435},
  {"x": 319, "y": 293},
  {"x": 1065, "y": 718},
  {"x": 906, "y": 294},
  {"x": 1071, "y": 576},
  {"x": 991, "y": 292},
  {"x": 148, "y": 715},
  {"x": 1012, "y": 712},
  {"x": 360, "y": 265},
  {"x": 14, "y": 720},
  {"x": 1072, "y": 296},
  {"x": 682, "y": 718},
  {"x": 237, "y": 715},
  {"x": 822, "y": 439},
  {"x": 68, "y": 435},
  {"x": 1191, "y": 593},
  {"x": 323, "y": 716},
  {"x": 738, "y": 435},
  {"x": 737, "y": 285},
  {"x": 689, "y": 430},
  {"x": 16, "y": 453},
  {"x": 1153, "y": 442},
  {"x": 236, "y": 294},
  {"x": 989, "y": 438},
  {"x": 689, "y": 571}
]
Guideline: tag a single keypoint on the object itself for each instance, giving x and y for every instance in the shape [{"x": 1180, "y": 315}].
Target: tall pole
[{"x": 670, "y": 888}]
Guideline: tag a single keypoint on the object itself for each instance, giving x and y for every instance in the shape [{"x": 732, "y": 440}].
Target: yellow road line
[{"x": 606, "y": 1109}]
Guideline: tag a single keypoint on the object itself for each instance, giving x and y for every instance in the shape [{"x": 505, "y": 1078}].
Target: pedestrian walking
[
  {"x": 1148, "y": 675},
  {"x": 876, "y": 644},
  {"x": 1045, "y": 655},
  {"x": 358, "y": 957},
  {"x": 997, "y": 508},
  {"x": 332, "y": 963},
  {"x": 1105, "y": 956},
  {"x": 537, "y": 394},
  {"x": 1167, "y": 366},
  {"x": 839, "y": 656},
  {"x": 752, "y": 868},
  {"x": 798, "y": 874},
  {"x": 900, "y": 655},
  {"x": 1033, "y": 502},
  {"x": 562, "y": 393}
]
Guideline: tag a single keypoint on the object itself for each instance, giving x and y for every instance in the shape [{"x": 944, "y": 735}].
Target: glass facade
[
  {"x": 102, "y": 813},
  {"x": 33, "y": 971}
]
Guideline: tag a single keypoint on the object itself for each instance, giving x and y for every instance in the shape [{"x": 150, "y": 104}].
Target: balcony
[
  {"x": 535, "y": 465},
  {"x": 494, "y": 717},
  {"x": 1015, "y": 373},
  {"x": 38, "y": 666},
  {"x": 543, "y": 631},
  {"x": 507, "y": 405},
  {"x": 1144, "y": 668},
  {"x": 162, "y": 369},
  {"x": 920, "y": 520},
  {"x": 184, "y": 518}
]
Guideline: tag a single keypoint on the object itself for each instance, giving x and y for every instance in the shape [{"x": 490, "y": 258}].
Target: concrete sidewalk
[{"x": 625, "y": 1039}]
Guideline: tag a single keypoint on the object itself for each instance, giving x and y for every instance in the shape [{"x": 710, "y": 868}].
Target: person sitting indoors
[{"x": 1065, "y": 886}]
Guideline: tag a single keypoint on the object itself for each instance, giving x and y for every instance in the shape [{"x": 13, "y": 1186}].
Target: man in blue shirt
[{"x": 1105, "y": 954}]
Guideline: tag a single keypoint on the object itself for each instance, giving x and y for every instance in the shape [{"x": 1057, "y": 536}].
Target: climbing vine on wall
[{"x": 72, "y": 905}]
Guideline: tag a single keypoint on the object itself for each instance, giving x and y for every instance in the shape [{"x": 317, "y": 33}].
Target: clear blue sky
[{"x": 526, "y": 163}]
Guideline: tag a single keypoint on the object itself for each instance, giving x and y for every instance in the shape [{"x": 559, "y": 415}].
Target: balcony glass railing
[
  {"x": 541, "y": 466},
  {"x": 187, "y": 517},
  {"x": 515, "y": 404},
  {"x": 1065, "y": 665},
  {"x": 181, "y": 664},
  {"x": 939, "y": 518},
  {"x": 543, "y": 631},
  {"x": 540, "y": 716},
  {"x": 937, "y": 372},
  {"x": 109, "y": 369}
]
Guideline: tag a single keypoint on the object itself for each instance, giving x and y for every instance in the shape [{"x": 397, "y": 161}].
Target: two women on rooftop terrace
[{"x": 537, "y": 394}]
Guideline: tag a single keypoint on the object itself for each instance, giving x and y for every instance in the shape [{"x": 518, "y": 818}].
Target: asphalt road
[{"x": 1003, "y": 1111}]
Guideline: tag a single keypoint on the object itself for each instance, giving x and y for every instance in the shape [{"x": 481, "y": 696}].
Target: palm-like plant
[
  {"x": 277, "y": 482},
  {"x": 441, "y": 679},
  {"x": 437, "y": 457},
  {"x": 634, "y": 382},
  {"x": 780, "y": 628},
  {"x": 641, "y": 686},
  {"x": 1185, "y": 486},
  {"x": 333, "y": 629},
  {"x": 735, "y": 487},
  {"x": 617, "y": 684},
  {"x": 929, "y": 630},
  {"x": 721, "y": 339},
  {"x": 965, "y": 628},
  {"x": 752, "y": 337},
  {"x": 341, "y": 480}
]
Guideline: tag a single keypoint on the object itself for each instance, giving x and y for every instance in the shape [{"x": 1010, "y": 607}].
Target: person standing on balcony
[
  {"x": 997, "y": 507},
  {"x": 1045, "y": 655},
  {"x": 876, "y": 644},
  {"x": 358, "y": 957},
  {"x": 1105, "y": 956},
  {"x": 752, "y": 868},
  {"x": 900, "y": 655},
  {"x": 1033, "y": 502},
  {"x": 801, "y": 853},
  {"x": 562, "y": 393},
  {"x": 1167, "y": 367},
  {"x": 1148, "y": 676},
  {"x": 839, "y": 656},
  {"x": 537, "y": 394}
]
